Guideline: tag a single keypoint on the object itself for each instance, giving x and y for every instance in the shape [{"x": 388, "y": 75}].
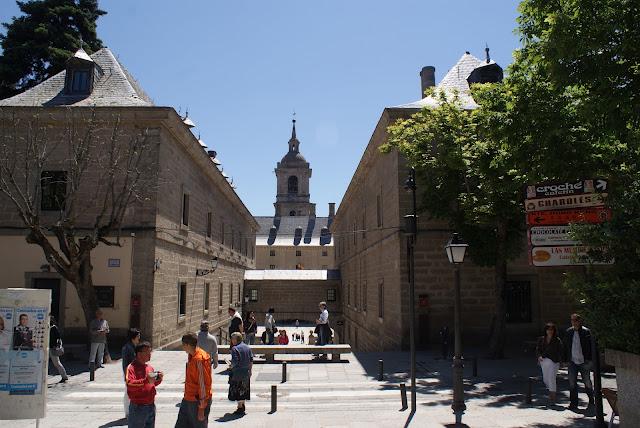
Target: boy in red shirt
[{"x": 141, "y": 382}]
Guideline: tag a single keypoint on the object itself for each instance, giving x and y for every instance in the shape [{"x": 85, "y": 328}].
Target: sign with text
[
  {"x": 564, "y": 202},
  {"x": 562, "y": 217},
  {"x": 561, "y": 256},
  {"x": 577, "y": 187},
  {"x": 550, "y": 235}
]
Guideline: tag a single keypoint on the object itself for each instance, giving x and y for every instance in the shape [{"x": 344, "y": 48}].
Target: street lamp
[
  {"x": 411, "y": 230},
  {"x": 456, "y": 249}
]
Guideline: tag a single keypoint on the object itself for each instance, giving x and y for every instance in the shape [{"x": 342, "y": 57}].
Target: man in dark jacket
[{"x": 577, "y": 352}]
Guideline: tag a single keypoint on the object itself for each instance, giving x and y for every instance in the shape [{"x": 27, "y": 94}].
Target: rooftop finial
[
  {"x": 293, "y": 130},
  {"x": 486, "y": 49}
]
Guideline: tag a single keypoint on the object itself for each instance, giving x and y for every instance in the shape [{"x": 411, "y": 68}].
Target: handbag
[{"x": 58, "y": 351}]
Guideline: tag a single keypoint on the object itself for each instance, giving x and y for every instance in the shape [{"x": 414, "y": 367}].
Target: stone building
[
  {"x": 371, "y": 250},
  {"x": 191, "y": 217}
]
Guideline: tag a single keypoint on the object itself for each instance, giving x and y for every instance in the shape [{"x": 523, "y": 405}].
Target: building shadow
[{"x": 122, "y": 422}]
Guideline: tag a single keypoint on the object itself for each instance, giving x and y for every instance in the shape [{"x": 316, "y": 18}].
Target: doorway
[{"x": 52, "y": 284}]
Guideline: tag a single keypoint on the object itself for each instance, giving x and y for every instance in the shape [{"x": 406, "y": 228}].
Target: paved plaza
[{"x": 325, "y": 394}]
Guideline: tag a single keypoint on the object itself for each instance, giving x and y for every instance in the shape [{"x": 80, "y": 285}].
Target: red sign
[{"x": 580, "y": 215}]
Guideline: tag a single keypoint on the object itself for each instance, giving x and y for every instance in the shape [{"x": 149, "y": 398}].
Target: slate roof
[
  {"x": 455, "y": 79},
  {"x": 113, "y": 86},
  {"x": 291, "y": 275},
  {"x": 284, "y": 233}
]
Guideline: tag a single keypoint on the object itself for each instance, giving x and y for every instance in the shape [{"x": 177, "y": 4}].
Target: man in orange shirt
[
  {"x": 141, "y": 382},
  {"x": 196, "y": 404}
]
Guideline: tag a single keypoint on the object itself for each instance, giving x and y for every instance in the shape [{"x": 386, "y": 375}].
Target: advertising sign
[
  {"x": 577, "y": 187},
  {"x": 561, "y": 256},
  {"x": 563, "y": 202},
  {"x": 563, "y": 217},
  {"x": 24, "y": 342},
  {"x": 550, "y": 235}
]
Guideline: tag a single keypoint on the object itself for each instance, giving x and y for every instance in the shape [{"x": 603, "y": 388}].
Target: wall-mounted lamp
[
  {"x": 156, "y": 265},
  {"x": 214, "y": 266}
]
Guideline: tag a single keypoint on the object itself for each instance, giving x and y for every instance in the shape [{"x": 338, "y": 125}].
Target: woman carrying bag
[{"x": 56, "y": 349}]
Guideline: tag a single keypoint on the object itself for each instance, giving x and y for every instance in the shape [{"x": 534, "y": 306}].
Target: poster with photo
[
  {"x": 30, "y": 327},
  {"x": 6, "y": 328}
]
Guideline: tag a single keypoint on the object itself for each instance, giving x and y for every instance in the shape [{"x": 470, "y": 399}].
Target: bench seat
[{"x": 270, "y": 350}]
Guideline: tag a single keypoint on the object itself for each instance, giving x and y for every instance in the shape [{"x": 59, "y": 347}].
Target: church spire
[{"x": 294, "y": 144}]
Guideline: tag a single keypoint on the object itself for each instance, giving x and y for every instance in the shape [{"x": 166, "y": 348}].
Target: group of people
[
  {"x": 574, "y": 348},
  {"x": 323, "y": 334}
]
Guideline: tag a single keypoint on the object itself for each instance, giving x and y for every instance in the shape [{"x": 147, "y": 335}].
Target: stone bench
[{"x": 270, "y": 350}]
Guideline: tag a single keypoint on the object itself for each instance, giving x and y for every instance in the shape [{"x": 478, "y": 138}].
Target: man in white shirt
[
  {"x": 208, "y": 343},
  {"x": 322, "y": 326},
  {"x": 577, "y": 345}
]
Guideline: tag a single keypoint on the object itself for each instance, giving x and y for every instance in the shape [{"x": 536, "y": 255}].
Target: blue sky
[{"x": 242, "y": 67}]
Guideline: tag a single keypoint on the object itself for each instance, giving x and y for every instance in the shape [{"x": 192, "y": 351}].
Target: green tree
[
  {"x": 592, "y": 50},
  {"x": 38, "y": 43}
]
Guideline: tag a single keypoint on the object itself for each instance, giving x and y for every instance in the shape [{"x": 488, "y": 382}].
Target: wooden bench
[{"x": 270, "y": 350}]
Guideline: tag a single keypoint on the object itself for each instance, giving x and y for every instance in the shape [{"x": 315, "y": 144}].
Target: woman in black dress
[{"x": 240, "y": 372}]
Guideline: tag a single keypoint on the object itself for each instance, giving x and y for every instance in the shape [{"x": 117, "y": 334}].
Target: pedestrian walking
[
  {"x": 250, "y": 328},
  {"x": 196, "y": 404},
  {"x": 235, "y": 322},
  {"x": 322, "y": 327},
  {"x": 141, "y": 381},
  {"x": 240, "y": 373},
  {"x": 577, "y": 350},
  {"x": 270, "y": 326},
  {"x": 56, "y": 350},
  {"x": 208, "y": 343},
  {"x": 549, "y": 353},
  {"x": 128, "y": 356},
  {"x": 98, "y": 329}
]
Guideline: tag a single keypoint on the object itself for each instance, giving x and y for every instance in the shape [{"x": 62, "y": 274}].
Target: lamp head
[{"x": 456, "y": 249}]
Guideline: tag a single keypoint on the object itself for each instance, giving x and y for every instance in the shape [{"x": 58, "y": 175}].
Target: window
[
  {"x": 324, "y": 253},
  {"x": 230, "y": 293},
  {"x": 348, "y": 293},
  {"x": 292, "y": 213},
  {"x": 253, "y": 295},
  {"x": 206, "y": 296},
  {"x": 182, "y": 299},
  {"x": 80, "y": 82},
  {"x": 292, "y": 184},
  {"x": 355, "y": 227},
  {"x": 53, "y": 186},
  {"x": 222, "y": 233},
  {"x": 379, "y": 210},
  {"x": 233, "y": 238},
  {"x": 272, "y": 266},
  {"x": 220, "y": 294},
  {"x": 381, "y": 299},
  {"x": 272, "y": 253},
  {"x": 364, "y": 295},
  {"x": 331, "y": 295},
  {"x": 185, "y": 209},
  {"x": 209, "y": 221},
  {"x": 518, "y": 301},
  {"x": 298, "y": 253},
  {"x": 105, "y": 294}
]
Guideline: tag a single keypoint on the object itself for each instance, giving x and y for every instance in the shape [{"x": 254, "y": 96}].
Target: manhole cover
[{"x": 269, "y": 377}]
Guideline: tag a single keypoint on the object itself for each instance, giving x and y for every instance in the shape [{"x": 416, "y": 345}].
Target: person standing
[
  {"x": 208, "y": 343},
  {"x": 235, "y": 321},
  {"x": 577, "y": 350},
  {"x": 250, "y": 328},
  {"x": 549, "y": 353},
  {"x": 270, "y": 326},
  {"x": 196, "y": 404},
  {"x": 141, "y": 381},
  {"x": 283, "y": 339},
  {"x": 98, "y": 328},
  {"x": 55, "y": 347},
  {"x": 240, "y": 376},
  {"x": 128, "y": 355}
]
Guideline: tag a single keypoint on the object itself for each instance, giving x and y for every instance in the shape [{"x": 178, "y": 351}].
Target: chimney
[
  {"x": 427, "y": 78},
  {"x": 332, "y": 210}
]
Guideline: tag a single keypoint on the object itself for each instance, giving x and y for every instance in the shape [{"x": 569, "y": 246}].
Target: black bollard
[
  {"x": 528, "y": 398},
  {"x": 403, "y": 396},
  {"x": 274, "y": 398},
  {"x": 284, "y": 371},
  {"x": 92, "y": 371},
  {"x": 475, "y": 366},
  {"x": 380, "y": 370}
]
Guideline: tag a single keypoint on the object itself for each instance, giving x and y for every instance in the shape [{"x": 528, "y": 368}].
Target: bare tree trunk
[
  {"x": 86, "y": 292},
  {"x": 498, "y": 326}
]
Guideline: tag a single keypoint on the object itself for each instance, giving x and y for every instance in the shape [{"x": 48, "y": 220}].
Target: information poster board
[{"x": 24, "y": 352}]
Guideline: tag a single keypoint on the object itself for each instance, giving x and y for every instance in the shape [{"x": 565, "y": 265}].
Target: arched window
[
  {"x": 292, "y": 184},
  {"x": 292, "y": 213}
]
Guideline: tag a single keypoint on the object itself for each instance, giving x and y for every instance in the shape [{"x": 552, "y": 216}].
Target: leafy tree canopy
[{"x": 38, "y": 43}]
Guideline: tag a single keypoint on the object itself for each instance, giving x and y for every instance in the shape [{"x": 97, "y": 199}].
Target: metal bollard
[
  {"x": 475, "y": 366},
  {"x": 403, "y": 396},
  {"x": 274, "y": 398},
  {"x": 528, "y": 398},
  {"x": 92, "y": 371},
  {"x": 380, "y": 370},
  {"x": 284, "y": 371}
]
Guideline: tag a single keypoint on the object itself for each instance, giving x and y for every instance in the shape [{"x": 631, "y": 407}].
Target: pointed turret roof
[{"x": 293, "y": 156}]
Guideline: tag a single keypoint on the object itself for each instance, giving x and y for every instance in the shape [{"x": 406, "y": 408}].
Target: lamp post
[
  {"x": 456, "y": 249},
  {"x": 411, "y": 230}
]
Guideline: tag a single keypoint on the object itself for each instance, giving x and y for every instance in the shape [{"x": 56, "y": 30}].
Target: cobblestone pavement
[{"x": 326, "y": 394}]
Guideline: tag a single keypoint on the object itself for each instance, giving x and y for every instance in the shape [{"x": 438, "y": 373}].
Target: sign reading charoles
[{"x": 564, "y": 202}]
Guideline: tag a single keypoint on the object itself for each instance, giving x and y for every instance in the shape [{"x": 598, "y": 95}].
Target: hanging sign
[
  {"x": 577, "y": 187},
  {"x": 563, "y": 202},
  {"x": 550, "y": 235},
  {"x": 563, "y": 217},
  {"x": 562, "y": 256}
]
